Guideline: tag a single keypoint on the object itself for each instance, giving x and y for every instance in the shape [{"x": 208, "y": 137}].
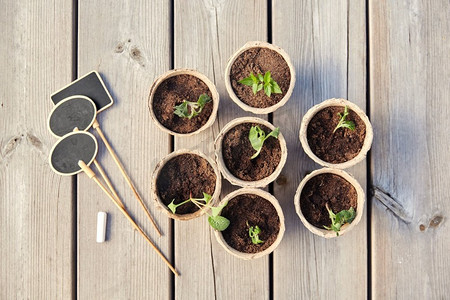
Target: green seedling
[
  {"x": 253, "y": 233},
  {"x": 343, "y": 123},
  {"x": 339, "y": 219},
  {"x": 259, "y": 82},
  {"x": 189, "y": 109},
  {"x": 257, "y": 136},
  {"x": 217, "y": 222}
]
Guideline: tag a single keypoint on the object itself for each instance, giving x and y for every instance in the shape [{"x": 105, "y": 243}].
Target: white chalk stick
[{"x": 101, "y": 226}]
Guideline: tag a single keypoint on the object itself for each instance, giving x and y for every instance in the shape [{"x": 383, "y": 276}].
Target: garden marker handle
[
  {"x": 91, "y": 175},
  {"x": 96, "y": 126}
]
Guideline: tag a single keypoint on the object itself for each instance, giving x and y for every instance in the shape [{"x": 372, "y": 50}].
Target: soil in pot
[
  {"x": 237, "y": 151},
  {"x": 322, "y": 189},
  {"x": 340, "y": 146},
  {"x": 183, "y": 175},
  {"x": 256, "y": 211},
  {"x": 172, "y": 92},
  {"x": 259, "y": 61}
]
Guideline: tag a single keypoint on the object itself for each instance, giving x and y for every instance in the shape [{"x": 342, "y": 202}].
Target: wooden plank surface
[
  {"x": 36, "y": 211},
  {"x": 207, "y": 33},
  {"x": 129, "y": 44},
  {"x": 409, "y": 70},
  {"x": 326, "y": 42}
]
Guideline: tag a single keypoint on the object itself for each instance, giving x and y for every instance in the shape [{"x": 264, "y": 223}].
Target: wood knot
[
  {"x": 34, "y": 141},
  {"x": 119, "y": 48},
  {"x": 422, "y": 227},
  {"x": 436, "y": 221},
  {"x": 135, "y": 53},
  {"x": 281, "y": 180}
]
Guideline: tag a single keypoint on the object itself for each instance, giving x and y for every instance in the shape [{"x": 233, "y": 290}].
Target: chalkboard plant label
[
  {"x": 260, "y": 77},
  {"x": 329, "y": 202},
  {"x": 336, "y": 133},
  {"x": 248, "y": 209},
  {"x": 182, "y": 176},
  {"x": 183, "y": 102},
  {"x": 90, "y": 85},
  {"x": 250, "y": 152}
]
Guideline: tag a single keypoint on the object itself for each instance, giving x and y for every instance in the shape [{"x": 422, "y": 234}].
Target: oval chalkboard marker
[
  {"x": 90, "y": 85},
  {"x": 73, "y": 112},
  {"x": 70, "y": 149}
]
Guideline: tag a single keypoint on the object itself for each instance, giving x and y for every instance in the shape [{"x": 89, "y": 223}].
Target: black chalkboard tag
[
  {"x": 72, "y": 112},
  {"x": 90, "y": 85},
  {"x": 71, "y": 148}
]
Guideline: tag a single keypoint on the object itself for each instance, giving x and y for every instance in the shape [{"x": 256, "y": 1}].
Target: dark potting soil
[
  {"x": 172, "y": 92},
  {"x": 323, "y": 189},
  {"x": 182, "y": 175},
  {"x": 237, "y": 151},
  {"x": 257, "y": 211},
  {"x": 340, "y": 146},
  {"x": 259, "y": 61}
]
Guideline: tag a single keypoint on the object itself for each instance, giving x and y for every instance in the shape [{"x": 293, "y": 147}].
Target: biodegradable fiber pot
[
  {"x": 182, "y": 162},
  {"x": 172, "y": 88},
  {"x": 360, "y": 199},
  {"x": 272, "y": 149},
  {"x": 274, "y": 206},
  {"x": 361, "y": 121},
  {"x": 260, "y": 65}
]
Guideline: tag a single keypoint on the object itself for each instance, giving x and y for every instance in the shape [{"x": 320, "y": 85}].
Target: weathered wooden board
[
  {"x": 409, "y": 88},
  {"x": 129, "y": 44},
  {"x": 36, "y": 208},
  {"x": 326, "y": 41},
  {"x": 207, "y": 33}
]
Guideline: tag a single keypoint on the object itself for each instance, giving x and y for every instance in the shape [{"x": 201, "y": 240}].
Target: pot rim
[
  {"x": 233, "y": 96},
  {"x": 267, "y": 196},
  {"x": 336, "y": 102},
  {"x": 175, "y": 72},
  {"x": 221, "y": 163},
  {"x": 154, "y": 190},
  {"x": 346, "y": 227}
]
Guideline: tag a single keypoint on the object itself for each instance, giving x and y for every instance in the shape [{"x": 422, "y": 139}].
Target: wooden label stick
[
  {"x": 96, "y": 126},
  {"x": 91, "y": 175}
]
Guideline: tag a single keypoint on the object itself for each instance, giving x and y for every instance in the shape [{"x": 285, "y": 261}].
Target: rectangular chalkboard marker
[{"x": 90, "y": 85}]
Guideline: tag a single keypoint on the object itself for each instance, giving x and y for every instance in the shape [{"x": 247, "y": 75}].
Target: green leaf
[
  {"x": 273, "y": 133},
  {"x": 182, "y": 109},
  {"x": 246, "y": 81},
  {"x": 203, "y": 99},
  {"x": 257, "y": 136},
  {"x": 254, "y": 232},
  {"x": 344, "y": 123},
  {"x": 339, "y": 219},
  {"x": 206, "y": 197},
  {"x": 255, "y": 88},
  {"x": 218, "y": 222},
  {"x": 260, "y": 77},
  {"x": 268, "y": 89},
  {"x": 215, "y": 211},
  {"x": 259, "y": 82},
  {"x": 260, "y": 87},
  {"x": 267, "y": 77},
  {"x": 172, "y": 206},
  {"x": 196, "y": 108},
  {"x": 275, "y": 87}
]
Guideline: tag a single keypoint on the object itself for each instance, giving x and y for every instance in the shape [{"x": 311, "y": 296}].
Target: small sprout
[
  {"x": 217, "y": 222},
  {"x": 259, "y": 82},
  {"x": 339, "y": 219},
  {"x": 253, "y": 233},
  {"x": 189, "y": 109},
  {"x": 257, "y": 136},
  {"x": 343, "y": 123}
]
